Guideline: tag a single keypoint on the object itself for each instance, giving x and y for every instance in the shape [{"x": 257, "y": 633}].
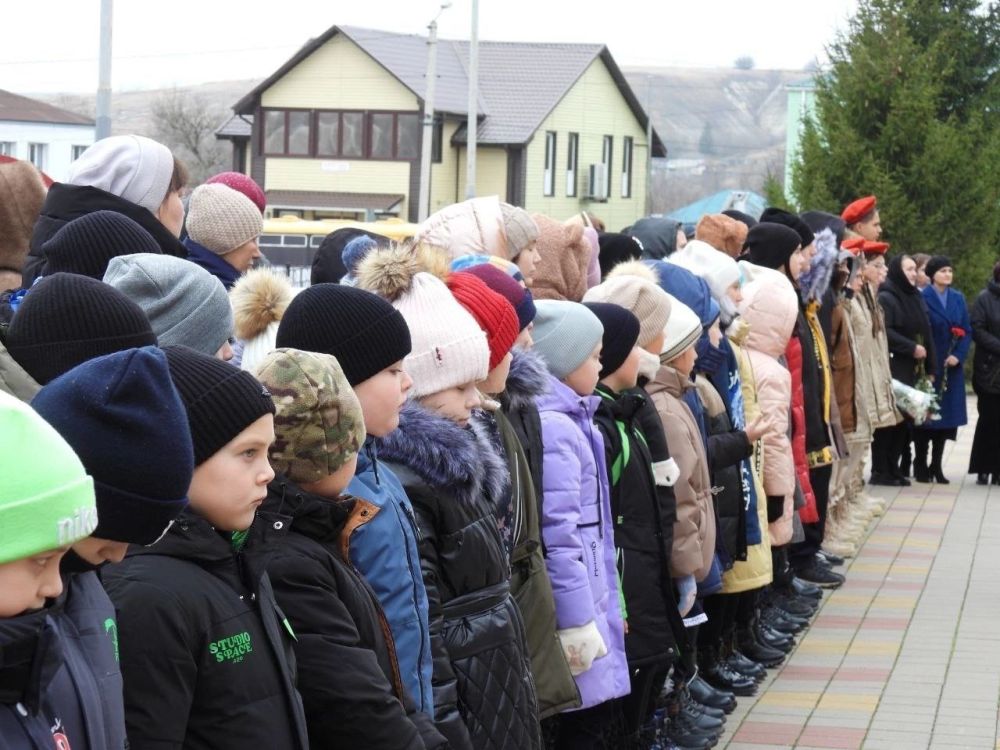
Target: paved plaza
[{"x": 907, "y": 653}]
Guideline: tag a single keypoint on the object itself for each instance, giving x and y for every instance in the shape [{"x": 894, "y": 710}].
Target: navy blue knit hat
[
  {"x": 123, "y": 417},
  {"x": 86, "y": 245},
  {"x": 621, "y": 332}
]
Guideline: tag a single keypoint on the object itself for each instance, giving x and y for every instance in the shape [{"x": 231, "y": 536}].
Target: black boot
[
  {"x": 709, "y": 696},
  {"x": 751, "y": 647},
  {"x": 937, "y": 453},
  {"x": 982, "y": 479},
  {"x": 719, "y": 675},
  {"x": 920, "y": 471}
]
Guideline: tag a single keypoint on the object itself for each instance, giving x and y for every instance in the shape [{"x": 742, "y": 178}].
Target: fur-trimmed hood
[
  {"x": 259, "y": 298},
  {"x": 814, "y": 282},
  {"x": 528, "y": 378},
  {"x": 444, "y": 456}
]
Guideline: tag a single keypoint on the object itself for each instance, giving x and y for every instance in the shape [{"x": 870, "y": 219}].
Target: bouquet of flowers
[
  {"x": 957, "y": 334},
  {"x": 925, "y": 384},
  {"x": 918, "y": 405}
]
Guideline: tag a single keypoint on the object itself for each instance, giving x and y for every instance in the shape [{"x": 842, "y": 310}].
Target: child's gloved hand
[
  {"x": 582, "y": 645},
  {"x": 687, "y": 589}
]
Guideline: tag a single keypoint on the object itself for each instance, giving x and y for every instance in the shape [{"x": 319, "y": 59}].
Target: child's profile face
[
  {"x": 684, "y": 362},
  {"x": 382, "y": 396},
  {"x": 25, "y": 584},
  {"x": 455, "y": 404},
  {"x": 583, "y": 380},
  {"x": 227, "y": 489}
]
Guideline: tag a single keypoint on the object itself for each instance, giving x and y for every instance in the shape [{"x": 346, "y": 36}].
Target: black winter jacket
[
  {"x": 905, "y": 320},
  {"x": 527, "y": 380},
  {"x": 481, "y": 665},
  {"x": 348, "y": 675},
  {"x": 63, "y": 203},
  {"x": 41, "y": 707},
  {"x": 639, "y": 529},
  {"x": 205, "y": 650},
  {"x": 817, "y": 429},
  {"x": 985, "y": 319}
]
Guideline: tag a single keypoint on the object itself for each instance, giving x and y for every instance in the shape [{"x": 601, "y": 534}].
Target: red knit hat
[
  {"x": 494, "y": 314},
  {"x": 241, "y": 184},
  {"x": 856, "y": 211}
]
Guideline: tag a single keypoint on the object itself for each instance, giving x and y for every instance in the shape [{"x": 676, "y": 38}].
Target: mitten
[
  {"x": 581, "y": 645},
  {"x": 687, "y": 591}
]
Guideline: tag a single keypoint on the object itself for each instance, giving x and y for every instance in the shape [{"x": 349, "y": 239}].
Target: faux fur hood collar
[
  {"x": 814, "y": 282},
  {"x": 445, "y": 456},
  {"x": 528, "y": 379}
]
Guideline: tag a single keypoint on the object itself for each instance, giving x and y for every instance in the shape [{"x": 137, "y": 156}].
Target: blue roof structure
[{"x": 746, "y": 201}]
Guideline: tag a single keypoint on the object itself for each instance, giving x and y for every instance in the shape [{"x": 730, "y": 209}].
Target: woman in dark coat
[
  {"x": 985, "y": 458},
  {"x": 910, "y": 344},
  {"x": 952, "y": 333}
]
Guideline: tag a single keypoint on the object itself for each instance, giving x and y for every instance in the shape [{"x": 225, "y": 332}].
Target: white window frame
[
  {"x": 549, "y": 173},
  {"x": 76, "y": 151},
  {"x": 572, "y": 165},
  {"x": 607, "y": 159},
  {"x": 8, "y": 148},
  {"x": 628, "y": 146},
  {"x": 38, "y": 154}
]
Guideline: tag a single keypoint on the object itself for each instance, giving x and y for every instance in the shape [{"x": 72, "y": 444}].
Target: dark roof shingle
[{"x": 17, "y": 108}]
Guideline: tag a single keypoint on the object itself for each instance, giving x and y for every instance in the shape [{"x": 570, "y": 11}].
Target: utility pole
[
  {"x": 427, "y": 145},
  {"x": 103, "y": 124},
  {"x": 472, "y": 124}
]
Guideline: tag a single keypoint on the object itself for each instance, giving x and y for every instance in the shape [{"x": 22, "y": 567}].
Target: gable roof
[
  {"x": 520, "y": 83},
  {"x": 17, "y": 108}
]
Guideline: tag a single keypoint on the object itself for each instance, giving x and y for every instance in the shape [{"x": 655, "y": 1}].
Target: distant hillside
[{"x": 724, "y": 128}]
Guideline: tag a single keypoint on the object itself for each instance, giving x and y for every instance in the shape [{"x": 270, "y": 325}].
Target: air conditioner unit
[{"x": 597, "y": 183}]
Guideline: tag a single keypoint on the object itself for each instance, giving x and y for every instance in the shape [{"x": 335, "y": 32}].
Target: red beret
[
  {"x": 857, "y": 210},
  {"x": 853, "y": 245},
  {"x": 874, "y": 248}
]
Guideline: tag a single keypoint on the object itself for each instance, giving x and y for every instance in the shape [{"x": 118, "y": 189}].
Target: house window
[
  {"x": 341, "y": 134},
  {"x": 7, "y": 148},
  {"x": 572, "y": 160},
  {"x": 627, "y": 167},
  {"x": 437, "y": 139},
  {"x": 77, "y": 151},
  {"x": 407, "y": 136},
  {"x": 328, "y": 133},
  {"x": 37, "y": 154},
  {"x": 274, "y": 132},
  {"x": 607, "y": 154},
  {"x": 549, "y": 176},
  {"x": 352, "y": 143},
  {"x": 298, "y": 133}
]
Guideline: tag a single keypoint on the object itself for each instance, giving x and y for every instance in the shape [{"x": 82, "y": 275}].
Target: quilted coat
[
  {"x": 453, "y": 476},
  {"x": 694, "y": 529},
  {"x": 578, "y": 535},
  {"x": 770, "y": 307}
]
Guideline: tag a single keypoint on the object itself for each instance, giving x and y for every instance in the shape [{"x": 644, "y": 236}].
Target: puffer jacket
[
  {"x": 874, "y": 350},
  {"x": 385, "y": 551},
  {"x": 528, "y": 380},
  {"x": 579, "y": 537},
  {"x": 842, "y": 352},
  {"x": 205, "y": 650},
  {"x": 530, "y": 585},
  {"x": 64, "y": 202},
  {"x": 757, "y": 570},
  {"x": 474, "y": 226},
  {"x": 484, "y": 695},
  {"x": 770, "y": 308},
  {"x": 864, "y": 393},
  {"x": 694, "y": 529},
  {"x": 793, "y": 360},
  {"x": 13, "y": 378},
  {"x": 643, "y": 561},
  {"x": 348, "y": 674}
]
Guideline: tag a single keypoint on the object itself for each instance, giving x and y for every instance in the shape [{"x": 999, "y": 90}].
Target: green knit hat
[
  {"x": 318, "y": 423},
  {"x": 46, "y": 498}
]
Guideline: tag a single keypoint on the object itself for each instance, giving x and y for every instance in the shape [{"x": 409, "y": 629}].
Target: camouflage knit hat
[{"x": 318, "y": 425}]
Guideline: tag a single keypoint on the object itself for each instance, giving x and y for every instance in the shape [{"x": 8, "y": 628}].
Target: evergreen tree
[{"x": 908, "y": 110}]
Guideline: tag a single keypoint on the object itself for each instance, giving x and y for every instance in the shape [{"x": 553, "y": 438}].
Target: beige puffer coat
[
  {"x": 694, "y": 529},
  {"x": 770, "y": 307},
  {"x": 874, "y": 374}
]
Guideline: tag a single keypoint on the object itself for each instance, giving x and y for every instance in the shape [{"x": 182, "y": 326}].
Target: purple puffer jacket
[{"x": 578, "y": 535}]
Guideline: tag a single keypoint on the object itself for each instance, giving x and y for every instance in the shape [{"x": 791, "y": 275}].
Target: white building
[{"x": 49, "y": 137}]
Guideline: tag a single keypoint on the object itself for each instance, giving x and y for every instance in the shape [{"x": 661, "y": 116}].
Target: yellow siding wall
[
  {"x": 361, "y": 177},
  {"x": 444, "y": 185},
  {"x": 339, "y": 75},
  {"x": 491, "y": 171},
  {"x": 594, "y": 107}
]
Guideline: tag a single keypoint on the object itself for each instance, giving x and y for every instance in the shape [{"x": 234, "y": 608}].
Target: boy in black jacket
[
  {"x": 651, "y": 608},
  {"x": 348, "y": 671},
  {"x": 205, "y": 651}
]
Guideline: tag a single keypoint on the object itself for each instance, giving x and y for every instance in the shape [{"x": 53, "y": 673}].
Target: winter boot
[
  {"x": 937, "y": 453},
  {"x": 920, "y": 471}
]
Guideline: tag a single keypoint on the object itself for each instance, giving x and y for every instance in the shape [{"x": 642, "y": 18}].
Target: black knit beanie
[
  {"x": 616, "y": 248},
  {"x": 745, "y": 218},
  {"x": 67, "y": 319},
  {"x": 771, "y": 245},
  {"x": 328, "y": 263},
  {"x": 935, "y": 264},
  {"x": 221, "y": 400},
  {"x": 86, "y": 245},
  {"x": 364, "y": 332},
  {"x": 621, "y": 331},
  {"x": 780, "y": 216}
]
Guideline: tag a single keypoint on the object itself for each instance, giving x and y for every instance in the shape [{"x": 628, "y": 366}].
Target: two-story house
[{"x": 335, "y": 132}]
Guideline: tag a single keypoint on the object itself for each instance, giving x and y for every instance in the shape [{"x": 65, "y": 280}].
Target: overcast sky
[{"x": 51, "y": 45}]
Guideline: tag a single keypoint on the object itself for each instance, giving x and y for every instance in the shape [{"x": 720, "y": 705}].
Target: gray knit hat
[
  {"x": 132, "y": 167},
  {"x": 221, "y": 219},
  {"x": 565, "y": 334},
  {"x": 185, "y": 304},
  {"x": 519, "y": 227}
]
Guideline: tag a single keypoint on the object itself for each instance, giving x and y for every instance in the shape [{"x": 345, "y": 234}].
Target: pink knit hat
[{"x": 241, "y": 184}]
